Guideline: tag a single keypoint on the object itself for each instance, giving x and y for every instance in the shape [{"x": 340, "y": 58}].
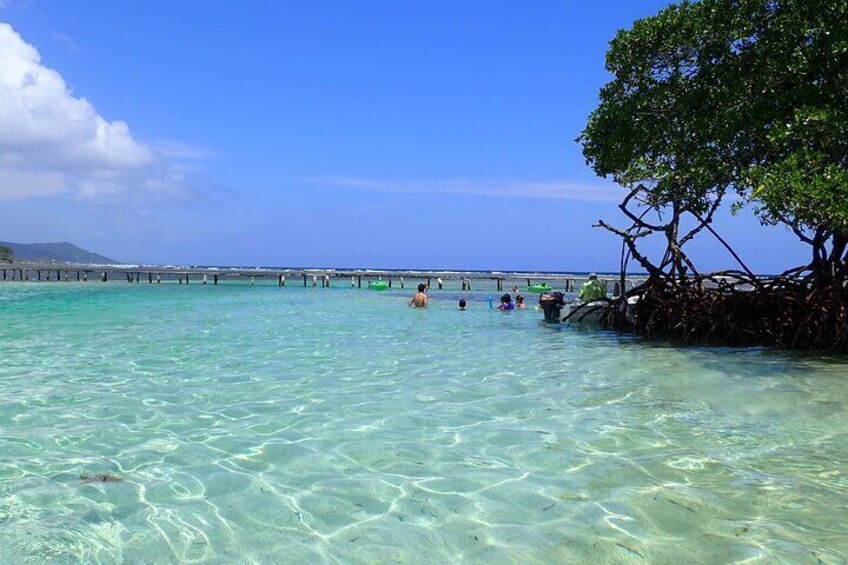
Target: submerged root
[{"x": 736, "y": 309}]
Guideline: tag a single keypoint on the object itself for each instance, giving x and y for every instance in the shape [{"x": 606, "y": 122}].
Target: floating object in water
[
  {"x": 378, "y": 285},
  {"x": 539, "y": 288}
]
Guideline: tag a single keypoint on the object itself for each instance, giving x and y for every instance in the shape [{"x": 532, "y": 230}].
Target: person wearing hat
[{"x": 592, "y": 289}]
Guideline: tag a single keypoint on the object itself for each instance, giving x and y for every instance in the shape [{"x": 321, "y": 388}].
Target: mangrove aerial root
[
  {"x": 736, "y": 309},
  {"x": 803, "y": 308}
]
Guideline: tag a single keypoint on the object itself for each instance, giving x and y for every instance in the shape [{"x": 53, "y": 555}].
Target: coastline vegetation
[{"x": 741, "y": 103}]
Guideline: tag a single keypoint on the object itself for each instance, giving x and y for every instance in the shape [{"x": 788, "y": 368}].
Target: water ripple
[{"x": 257, "y": 424}]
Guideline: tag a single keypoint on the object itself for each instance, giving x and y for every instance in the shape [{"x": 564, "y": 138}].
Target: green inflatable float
[
  {"x": 378, "y": 285},
  {"x": 539, "y": 288}
]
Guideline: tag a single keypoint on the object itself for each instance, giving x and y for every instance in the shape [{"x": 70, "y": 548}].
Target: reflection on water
[{"x": 266, "y": 424}]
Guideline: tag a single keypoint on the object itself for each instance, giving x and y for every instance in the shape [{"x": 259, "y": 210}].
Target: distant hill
[{"x": 60, "y": 252}]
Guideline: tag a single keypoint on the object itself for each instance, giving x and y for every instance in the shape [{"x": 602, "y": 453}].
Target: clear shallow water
[{"x": 257, "y": 424}]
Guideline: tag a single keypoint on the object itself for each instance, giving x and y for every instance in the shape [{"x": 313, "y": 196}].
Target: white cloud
[
  {"x": 52, "y": 141},
  {"x": 67, "y": 41},
  {"x": 18, "y": 185},
  {"x": 554, "y": 190},
  {"x": 179, "y": 150}
]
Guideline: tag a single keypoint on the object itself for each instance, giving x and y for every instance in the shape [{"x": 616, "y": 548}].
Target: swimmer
[
  {"x": 506, "y": 303},
  {"x": 419, "y": 300}
]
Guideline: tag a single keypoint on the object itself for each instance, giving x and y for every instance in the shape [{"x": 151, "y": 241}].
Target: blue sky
[{"x": 374, "y": 134}]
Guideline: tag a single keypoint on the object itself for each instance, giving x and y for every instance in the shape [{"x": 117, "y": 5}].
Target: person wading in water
[{"x": 419, "y": 300}]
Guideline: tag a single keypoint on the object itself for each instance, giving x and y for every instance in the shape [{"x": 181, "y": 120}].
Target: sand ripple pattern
[{"x": 266, "y": 425}]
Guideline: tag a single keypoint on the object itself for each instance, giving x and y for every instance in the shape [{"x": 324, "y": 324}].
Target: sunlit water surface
[{"x": 294, "y": 425}]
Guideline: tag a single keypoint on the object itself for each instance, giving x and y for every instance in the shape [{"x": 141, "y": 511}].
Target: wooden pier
[{"x": 316, "y": 278}]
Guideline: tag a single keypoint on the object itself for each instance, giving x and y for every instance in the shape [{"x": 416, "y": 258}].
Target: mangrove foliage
[{"x": 730, "y": 103}]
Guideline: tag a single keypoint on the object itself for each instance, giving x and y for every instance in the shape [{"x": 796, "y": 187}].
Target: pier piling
[{"x": 395, "y": 279}]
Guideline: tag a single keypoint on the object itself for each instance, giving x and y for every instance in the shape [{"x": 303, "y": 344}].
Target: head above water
[
  {"x": 462, "y": 303},
  {"x": 506, "y": 299},
  {"x": 421, "y": 287}
]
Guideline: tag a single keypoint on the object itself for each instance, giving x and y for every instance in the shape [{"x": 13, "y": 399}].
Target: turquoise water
[{"x": 265, "y": 425}]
